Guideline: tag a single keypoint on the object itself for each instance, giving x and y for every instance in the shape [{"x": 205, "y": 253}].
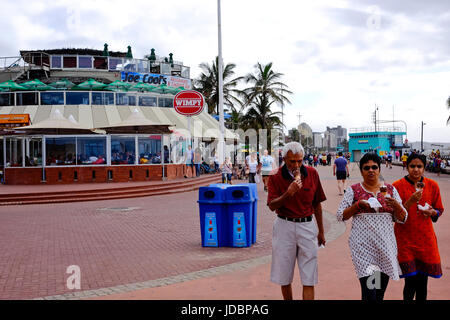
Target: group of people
[
  {"x": 435, "y": 162},
  {"x": 392, "y": 233}
]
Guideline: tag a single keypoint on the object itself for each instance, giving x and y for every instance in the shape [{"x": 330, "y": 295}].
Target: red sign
[{"x": 188, "y": 102}]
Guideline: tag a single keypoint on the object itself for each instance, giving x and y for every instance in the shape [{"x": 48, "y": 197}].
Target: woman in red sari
[{"x": 418, "y": 253}]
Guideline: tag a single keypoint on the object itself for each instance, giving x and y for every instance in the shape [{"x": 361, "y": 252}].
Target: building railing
[
  {"x": 377, "y": 129},
  {"x": 38, "y": 98}
]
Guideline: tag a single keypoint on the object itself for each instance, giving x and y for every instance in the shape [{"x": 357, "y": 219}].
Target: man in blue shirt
[{"x": 340, "y": 170}]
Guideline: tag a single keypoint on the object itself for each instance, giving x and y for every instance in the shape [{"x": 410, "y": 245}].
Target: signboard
[
  {"x": 189, "y": 102},
  {"x": 363, "y": 141},
  {"x": 155, "y": 79},
  {"x": 14, "y": 120}
]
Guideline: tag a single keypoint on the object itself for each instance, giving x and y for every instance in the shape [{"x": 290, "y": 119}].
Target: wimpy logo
[{"x": 188, "y": 102}]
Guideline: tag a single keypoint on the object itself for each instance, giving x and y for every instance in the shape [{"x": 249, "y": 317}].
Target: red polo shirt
[{"x": 302, "y": 204}]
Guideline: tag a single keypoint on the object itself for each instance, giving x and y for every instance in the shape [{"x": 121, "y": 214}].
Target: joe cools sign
[{"x": 188, "y": 102}]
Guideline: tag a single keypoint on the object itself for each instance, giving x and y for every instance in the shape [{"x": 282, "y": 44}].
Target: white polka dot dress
[{"x": 372, "y": 240}]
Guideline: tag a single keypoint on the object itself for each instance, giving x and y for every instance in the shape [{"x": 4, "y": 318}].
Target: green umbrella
[
  {"x": 118, "y": 85},
  {"x": 90, "y": 84},
  {"x": 11, "y": 86},
  {"x": 164, "y": 88},
  {"x": 62, "y": 84},
  {"x": 36, "y": 84},
  {"x": 141, "y": 86}
]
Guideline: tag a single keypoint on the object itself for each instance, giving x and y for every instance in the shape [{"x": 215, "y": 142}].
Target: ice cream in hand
[
  {"x": 383, "y": 190},
  {"x": 420, "y": 185}
]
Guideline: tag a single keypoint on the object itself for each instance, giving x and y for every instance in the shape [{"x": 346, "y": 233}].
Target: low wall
[{"x": 93, "y": 174}]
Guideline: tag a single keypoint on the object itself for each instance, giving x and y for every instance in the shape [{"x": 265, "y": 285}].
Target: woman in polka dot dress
[
  {"x": 372, "y": 240},
  {"x": 418, "y": 252}
]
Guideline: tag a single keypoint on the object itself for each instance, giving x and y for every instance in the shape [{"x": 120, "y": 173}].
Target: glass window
[
  {"x": 60, "y": 151},
  {"x": 123, "y": 150},
  {"x": 70, "y": 62},
  {"x": 33, "y": 156},
  {"x": 125, "y": 99},
  {"x": 85, "y": 62},
  {"x": 27, "y": 98},
  {"x": 14, "y": 152},
  {"x": 147, "y": 101},
  {"x": 77, "y": 98},
  {"x": 130, "y": 65},
  {"x": 100, "y": 63},
  {"x": 56, "y": 62},
  {"x": 91, "y": 150},
  {"x": 143, "y": 66},
  {"x": 102, "y": 98},
  {"x": 115, "y": 63},
  {"x": 149, "y": 149},
  {"x": 165, "y": 102},
  {"x": 50, "y": 98},
  {"x": 6, "y": 99}
]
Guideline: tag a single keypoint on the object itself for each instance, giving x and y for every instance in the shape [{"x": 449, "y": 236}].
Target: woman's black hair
[
  {"x": 413, "y": 156},
  {"x": 367, "y": 157}
]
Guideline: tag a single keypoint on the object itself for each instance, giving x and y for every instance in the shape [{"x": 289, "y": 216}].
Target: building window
[
  {"x": 143, "y": 66},
  {"x": 27, "y": 98},
  {"x": 6, "y": 99},
  {"x": 33, "y": 156},
  {"x": 147, "y": 101},
  {"x": 14, "y": 154},
  {"x": 165, "y": 102},
  {"x": 85, "y": 62},
  {"x": 74, "y": 98},
  {"x": 100, "y": 63},
  {"x": 115, "y": 63},
  {"x": 125, "y": 99},
  {"x": 91, "y": 151},
  {"x": 102, "y": 98},
  {"x": 56, "y": 62},
  {"x": 149, "y": 149},
  {"x": 130, "y": 65},
  {"x": 69, "y": 62},
  {"x": 123, "y": 150},
  {"x": 52, "y": 98},
  {"x": 60, "y": 151}
]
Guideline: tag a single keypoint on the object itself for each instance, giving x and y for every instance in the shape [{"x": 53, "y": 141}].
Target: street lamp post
[
  {"x": 220, "y": 75},
  {"x": 421, "y": 137}
]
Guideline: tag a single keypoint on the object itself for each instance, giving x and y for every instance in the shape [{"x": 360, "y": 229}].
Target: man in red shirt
[{"x": 295, "y": 194}]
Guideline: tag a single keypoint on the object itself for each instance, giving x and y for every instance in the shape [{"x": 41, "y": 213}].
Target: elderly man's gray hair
[{"x": 295, "y": 147}]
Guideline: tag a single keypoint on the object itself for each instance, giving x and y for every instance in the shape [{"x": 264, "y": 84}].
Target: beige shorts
[{"x": 293, "y": 241}]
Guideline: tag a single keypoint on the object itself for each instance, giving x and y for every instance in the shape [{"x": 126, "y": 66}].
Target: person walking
[
  {"x": 295, "y": 193},
  {"x": 197, "y": 161},
  {"x": 418, "y": 252},
  {"x": 189, "y": 161},
  {"x": 252, "y": 167},
  {"x": 268, "y": 164},
  {"x": 340, "y": 170},
  {"x": 227, "y": 170},
  {"x": 404, "y": 159},
  {"x": 372, "y": 240}
]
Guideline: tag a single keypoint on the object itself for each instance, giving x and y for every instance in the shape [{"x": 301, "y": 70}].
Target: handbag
[{"x": 257, "y": 178}]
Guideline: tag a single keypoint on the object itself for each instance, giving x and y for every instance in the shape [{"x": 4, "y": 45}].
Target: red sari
[{"x": 417, "y": 244}]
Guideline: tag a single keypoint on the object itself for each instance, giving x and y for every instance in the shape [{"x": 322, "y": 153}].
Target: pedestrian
[
  {"x": 340, "y": 170},
  {"x": 397, "y": 155},
  {"x": 418, "y": 252},
  {"x": 438, "y": 162},
  {"x": 329, "y": 159},
  {"x": 189, "y": 161},
  {"x": 295, "y": 194},
  {"x": 404, "y": 159},
  {"x": 372, "y": 240},
  {"x": 389, "y": 160},
  {"x": 227, "y": 170},
  {"x": 268, "y": 164},
  {"x": 252, "y": 167},
  {"x": 197, "y": 161}
]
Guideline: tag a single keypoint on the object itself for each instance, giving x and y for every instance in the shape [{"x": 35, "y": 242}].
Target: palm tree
[
  {"x": 208, "y": 85},
  {"x": 266, "y": 90}
]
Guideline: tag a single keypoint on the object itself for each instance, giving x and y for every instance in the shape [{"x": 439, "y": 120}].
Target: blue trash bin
[
  {"x": 254, "y": 190},
  {"x": 239, "y": 199},
  {"x": 214, "y": 222}
]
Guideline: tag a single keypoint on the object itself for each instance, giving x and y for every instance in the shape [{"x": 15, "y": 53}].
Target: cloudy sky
[{"x": 340, "y": 58}]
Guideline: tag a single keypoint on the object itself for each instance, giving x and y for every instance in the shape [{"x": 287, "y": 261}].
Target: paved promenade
[{"x": 150, "y": 248}]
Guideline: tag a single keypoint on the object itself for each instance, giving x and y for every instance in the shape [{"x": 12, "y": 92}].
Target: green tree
[
  {"x": 266, "y": 90},
  {"x": 208, "y": 84}
]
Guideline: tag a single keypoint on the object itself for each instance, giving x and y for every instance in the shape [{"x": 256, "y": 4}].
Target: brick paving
[{"x": 123, "y": 246}]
